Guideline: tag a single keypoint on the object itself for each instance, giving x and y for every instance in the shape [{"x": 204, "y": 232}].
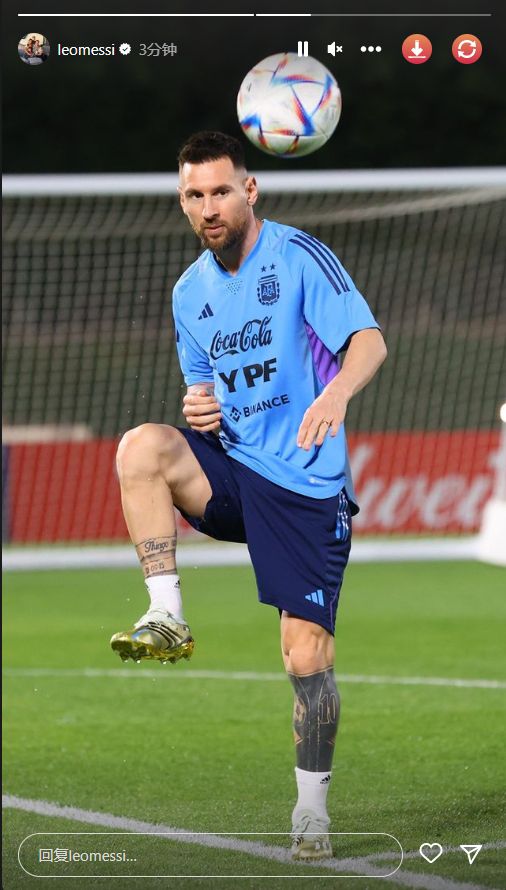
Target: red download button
[{"x": 417, "y": 49}]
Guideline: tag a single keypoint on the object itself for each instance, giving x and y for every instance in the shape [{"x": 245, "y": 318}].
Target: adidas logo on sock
[
  {"x": 207, "y": 312},
  {"x": 316, "y": 597},
  {"x": 325, "y": 780}
]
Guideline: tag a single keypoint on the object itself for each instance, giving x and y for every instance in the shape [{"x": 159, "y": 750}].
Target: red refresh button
[{"x": 466, "y": 49}]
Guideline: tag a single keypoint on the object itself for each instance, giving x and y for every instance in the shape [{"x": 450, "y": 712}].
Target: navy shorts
[{"x": 299, "y": 546}]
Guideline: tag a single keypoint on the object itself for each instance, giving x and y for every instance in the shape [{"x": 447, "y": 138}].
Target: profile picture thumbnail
[{"x": 33, "y": 48}]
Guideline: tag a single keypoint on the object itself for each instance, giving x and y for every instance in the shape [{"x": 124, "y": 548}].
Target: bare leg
[
  {"x": 306, "y": 647},
  {"x": 156, "y": 467}
]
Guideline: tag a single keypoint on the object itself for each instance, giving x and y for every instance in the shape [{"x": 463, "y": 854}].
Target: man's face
[{"x": 218, "y": 200}]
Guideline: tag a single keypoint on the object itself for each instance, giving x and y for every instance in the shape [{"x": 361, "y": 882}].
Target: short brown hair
[{"x": 210, "y": 145}]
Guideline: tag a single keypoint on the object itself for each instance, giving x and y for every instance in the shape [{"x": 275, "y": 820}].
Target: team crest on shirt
[{"x": 268, "y": 288}]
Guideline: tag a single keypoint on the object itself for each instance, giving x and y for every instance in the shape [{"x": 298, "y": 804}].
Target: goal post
[
  {"x": 491, "y": 543},
  {"x": 89, "y": 266}
]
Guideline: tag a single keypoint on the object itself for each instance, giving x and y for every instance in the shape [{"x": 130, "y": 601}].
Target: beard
[{"x": 231, "y": 236}]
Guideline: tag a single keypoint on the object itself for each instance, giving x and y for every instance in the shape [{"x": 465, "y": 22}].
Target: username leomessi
[{"x": 65, "y": 50}]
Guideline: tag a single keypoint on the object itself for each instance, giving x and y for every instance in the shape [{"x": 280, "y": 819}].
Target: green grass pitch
[{"x": 423, "y": 763}]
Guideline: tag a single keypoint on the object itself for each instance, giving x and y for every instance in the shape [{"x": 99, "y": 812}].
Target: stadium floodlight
[{"x": 491, "y": 544}]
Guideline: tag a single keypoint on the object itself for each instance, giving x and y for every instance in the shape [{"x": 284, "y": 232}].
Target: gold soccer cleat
[
  {"x": 310, "y": 838},
  {"x": 157, "y": 636}
]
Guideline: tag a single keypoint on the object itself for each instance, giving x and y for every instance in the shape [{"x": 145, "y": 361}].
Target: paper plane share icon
[{"x": 471, "y": 851}]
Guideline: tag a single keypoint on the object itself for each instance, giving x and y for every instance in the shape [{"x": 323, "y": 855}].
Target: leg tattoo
[
  {"x": 158, "y": 556},
  {"x": 315, "y": 719}
]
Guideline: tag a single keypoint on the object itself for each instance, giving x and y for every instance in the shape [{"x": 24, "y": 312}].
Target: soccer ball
[{"x": 289, "y": 105}]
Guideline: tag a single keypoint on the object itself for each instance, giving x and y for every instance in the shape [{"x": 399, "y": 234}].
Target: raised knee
[{"x": 140, "y": 449}]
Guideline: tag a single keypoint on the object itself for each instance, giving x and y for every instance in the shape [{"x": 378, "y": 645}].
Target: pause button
[{"x": 302, "y": 48}]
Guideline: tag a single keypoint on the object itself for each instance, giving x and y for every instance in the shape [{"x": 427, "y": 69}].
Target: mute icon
[{"x": 331, "y": 48}]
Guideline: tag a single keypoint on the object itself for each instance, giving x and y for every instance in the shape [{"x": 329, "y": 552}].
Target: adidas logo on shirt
[
  {"x": 207, "y": 312},
  {"x": 316, "y": 597}
]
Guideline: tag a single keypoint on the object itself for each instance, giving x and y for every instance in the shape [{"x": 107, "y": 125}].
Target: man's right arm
[{"x": 200, "y": 408}]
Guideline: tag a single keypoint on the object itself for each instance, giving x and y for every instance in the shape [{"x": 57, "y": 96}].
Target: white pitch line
[
  {"x": 197, "y": 555},
  {"x": 423, "y": 681},
  {"x": 359, "y": 867},
  {"x": 129, "y": 672},
  {"x": 433, "y": 882},
  {"x": 356, "y": 866}
]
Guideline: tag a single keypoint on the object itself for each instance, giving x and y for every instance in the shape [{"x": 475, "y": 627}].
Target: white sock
[
  {"x": 312, "y": 788},
  {"x": 165, "y": 593}
]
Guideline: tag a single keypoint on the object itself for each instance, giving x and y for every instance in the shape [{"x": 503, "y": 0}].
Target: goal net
[{"x": 89, "y": 348}]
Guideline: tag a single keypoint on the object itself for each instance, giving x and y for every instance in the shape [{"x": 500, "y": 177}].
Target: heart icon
[{"x": 431, "y": 852}]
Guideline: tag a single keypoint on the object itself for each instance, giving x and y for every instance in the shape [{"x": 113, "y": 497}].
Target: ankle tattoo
[
  {"x": 315, "y": 719},
  {"x": 158, "y": 556}
]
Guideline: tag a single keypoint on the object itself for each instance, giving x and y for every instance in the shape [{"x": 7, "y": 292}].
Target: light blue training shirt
[{"x": 268, "y": 338}]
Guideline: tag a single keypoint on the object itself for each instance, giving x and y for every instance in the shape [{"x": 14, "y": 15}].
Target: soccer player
[{"x": 261, "y": 319}]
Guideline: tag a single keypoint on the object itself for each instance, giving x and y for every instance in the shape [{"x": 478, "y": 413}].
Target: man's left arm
[{"x": 366, "y": 352}]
